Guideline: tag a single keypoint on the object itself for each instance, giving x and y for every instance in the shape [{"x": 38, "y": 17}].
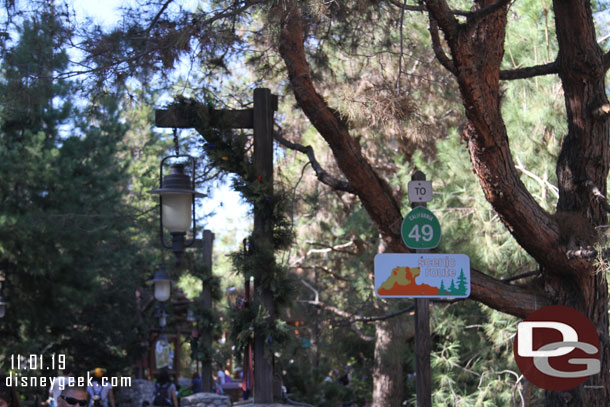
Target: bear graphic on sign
[{"x": 402, "y": 283}]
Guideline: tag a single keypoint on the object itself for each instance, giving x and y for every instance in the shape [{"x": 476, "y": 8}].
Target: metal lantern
[
  {"x": 162, "y": 284},
  {"x": 162, "y": 319},
  {"x": 177, "y": 198},
  {"x": 190, "y": 315}
]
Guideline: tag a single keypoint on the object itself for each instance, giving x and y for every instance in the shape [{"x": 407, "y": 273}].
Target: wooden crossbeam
[{"x": 234, "y": 119}]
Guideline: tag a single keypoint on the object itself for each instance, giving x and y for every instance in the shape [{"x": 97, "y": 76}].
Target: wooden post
[
  {"x": 422, "y": 333},
  {"x": 260, "y": 118},
  {"x": 247, "y": 368},
  {"x": 207, "y": 384},
  {"x": 263, "y": 164}
]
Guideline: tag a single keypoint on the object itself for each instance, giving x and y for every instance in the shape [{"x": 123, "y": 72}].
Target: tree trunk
[
  {"x": 583, "y": 161},
  {"x": 477, "y": 50},
  {"x": 388, "y": 380}
]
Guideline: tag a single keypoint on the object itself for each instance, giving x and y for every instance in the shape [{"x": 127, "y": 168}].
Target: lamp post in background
[
  {"x": 177, "y": 202},
  {"x": 260, "y": 119},
  {"x": 162, "y": 319},
  {"x": 162, "y": 284}
]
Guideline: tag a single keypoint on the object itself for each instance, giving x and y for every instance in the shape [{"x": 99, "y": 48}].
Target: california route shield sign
[
  {"x": 422, "y": 275},
  {"x": 420, "y": 229}
]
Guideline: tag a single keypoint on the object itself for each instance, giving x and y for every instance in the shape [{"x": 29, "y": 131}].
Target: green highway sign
[{"x": 420, "y": 229}]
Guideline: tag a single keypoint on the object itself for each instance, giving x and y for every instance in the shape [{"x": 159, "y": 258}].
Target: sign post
[{"x": 423, "y": 381}]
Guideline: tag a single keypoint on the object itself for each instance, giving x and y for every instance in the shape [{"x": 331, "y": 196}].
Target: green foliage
[
  {"x": 251, "y": 318},
  {"x": 68, "y": 237}
]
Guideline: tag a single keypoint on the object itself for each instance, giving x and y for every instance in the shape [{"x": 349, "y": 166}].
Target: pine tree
[
  {"x": 461, "y": 288},
  {"x": 442, "y": 290},
  {"x": 68, "y": 242},
  {"x": 452, "y": 289}
]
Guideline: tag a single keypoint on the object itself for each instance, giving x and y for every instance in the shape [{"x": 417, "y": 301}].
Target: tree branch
[
  {"x": 326, "y": 248},
  {"x": 342, "y": 314},
  {"x": 386, "y": 316},
  {"x": 543, "y": 183},
  {"x": 520, "y": 276},
  {"x": 322, "y": 175},
  {"x": 352, "y": 319},
  {"x": 440, "y": 11},
  {"x": 324, "y": 269},
  {"x": 438, "y": 47},
  {"x": 407, "y": 7},
  {"x": 606, "y": 61},
  {"x": 530, "y": 72},
  {"x": 423, "y": 8},
  {"x": 477, "y": 59},
  {"x": 503, "y": 296},
  {"x": 361, "y": 335},
  {"x": 157, "y": 17},
  {"x": 477, "y": 15},
  {"x": 374, "y": 192},
  {"x": 494, "y": 293}
]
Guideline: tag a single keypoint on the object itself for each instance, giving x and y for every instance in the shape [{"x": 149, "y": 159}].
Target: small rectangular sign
[
  {"x": 419, "y": 191},
  {"x": 422, "y": 275}
]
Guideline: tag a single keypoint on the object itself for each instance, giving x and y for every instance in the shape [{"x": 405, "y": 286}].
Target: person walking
[
  {"x": 100, "y": 392},
  {"x": 196, "y": 384},
  {"x": 165, "y": 391}
]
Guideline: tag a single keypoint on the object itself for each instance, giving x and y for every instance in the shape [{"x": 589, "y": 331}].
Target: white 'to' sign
[{"x": 420, "y": 191}]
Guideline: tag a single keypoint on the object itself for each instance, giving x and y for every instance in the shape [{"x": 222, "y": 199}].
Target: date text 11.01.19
[{"x": 38, "y": 362}]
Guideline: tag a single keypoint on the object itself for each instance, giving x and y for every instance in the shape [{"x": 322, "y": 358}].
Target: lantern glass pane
[
  {"x": 176, "y": 212},
  {"x": 162, "y": 290}
]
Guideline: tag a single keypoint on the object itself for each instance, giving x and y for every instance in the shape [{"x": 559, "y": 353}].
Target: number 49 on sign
[
  {"x": 420, "y": 229},
  {"x": 427, "y": 233}
]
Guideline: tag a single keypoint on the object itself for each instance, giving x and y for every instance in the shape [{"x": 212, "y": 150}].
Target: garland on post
[
  {"x": 228, "y": 151},
  {"x": 206, "y": 320}
]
